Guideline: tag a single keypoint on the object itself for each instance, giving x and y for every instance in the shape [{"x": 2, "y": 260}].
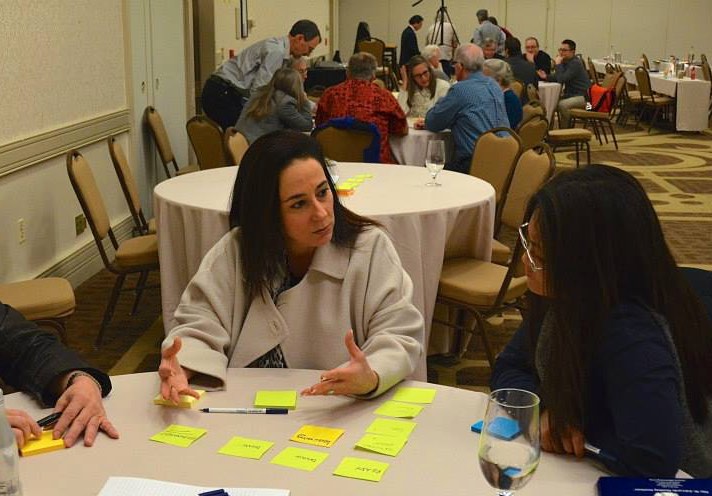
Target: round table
[
  {"x": 426, "y": 224},
  {"x": 549, "y": 96},
  {"x": 439, "y": 458},
  {"x": 412, "y": 148}
]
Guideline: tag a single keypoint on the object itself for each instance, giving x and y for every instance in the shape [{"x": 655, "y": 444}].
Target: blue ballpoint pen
[{"x": 599, "y": 454}]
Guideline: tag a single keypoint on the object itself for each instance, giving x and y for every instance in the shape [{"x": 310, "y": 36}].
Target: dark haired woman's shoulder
[{"x": 632, "y": 323}]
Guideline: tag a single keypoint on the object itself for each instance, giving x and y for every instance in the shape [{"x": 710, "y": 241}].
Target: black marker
[{"x": 49, "y": 420}]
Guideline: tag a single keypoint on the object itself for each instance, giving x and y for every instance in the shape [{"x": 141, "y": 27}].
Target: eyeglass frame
[{"x": 525, "y": 244}]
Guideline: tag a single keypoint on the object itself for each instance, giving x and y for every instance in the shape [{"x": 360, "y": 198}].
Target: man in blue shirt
[{"x": 475, "y": 104}]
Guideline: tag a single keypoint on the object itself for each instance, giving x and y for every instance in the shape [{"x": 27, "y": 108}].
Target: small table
[
  {"x": 425, "y": 224},
  {"x": 549, "y": 96},
  {"x": 439, "y": 458},
  {"x": 411, "y": 148}
]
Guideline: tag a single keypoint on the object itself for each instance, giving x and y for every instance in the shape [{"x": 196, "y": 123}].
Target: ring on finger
[{"x": 330, "y": 392}]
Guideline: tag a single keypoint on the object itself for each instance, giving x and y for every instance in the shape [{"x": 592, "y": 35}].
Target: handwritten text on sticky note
[
  {"x": 246, "y": 448},
  {"x": 389, "y": 427},
  {"x": 317, "y": 435},
  {"x": 360, "y": 468},
  {"x": 378, "y": 443},
  {"x": 179, "y": 435},
  {"x": 299, "y": 458}
]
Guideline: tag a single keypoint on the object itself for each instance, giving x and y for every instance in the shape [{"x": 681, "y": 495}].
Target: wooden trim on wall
[{"x": 42, "y": 147}]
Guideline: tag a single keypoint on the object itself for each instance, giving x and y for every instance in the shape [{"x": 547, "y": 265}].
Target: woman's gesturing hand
[{"x": 174, "y": 378}]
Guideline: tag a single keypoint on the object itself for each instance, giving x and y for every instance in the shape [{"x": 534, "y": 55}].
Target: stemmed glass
[
  {"x": 435, "y": 160},
  {"x": 509, "y": 443}
]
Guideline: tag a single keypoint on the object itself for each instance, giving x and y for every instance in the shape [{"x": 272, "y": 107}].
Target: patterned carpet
[{"x": 675, "y": 169}]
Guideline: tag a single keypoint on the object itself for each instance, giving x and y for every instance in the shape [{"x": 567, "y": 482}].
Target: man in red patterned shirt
[{"x": 359, "y": 98}]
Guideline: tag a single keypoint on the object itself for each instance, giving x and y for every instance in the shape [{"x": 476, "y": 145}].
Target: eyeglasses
[
  {"x": 565, "y": 49},
  {"x": 535, "y": 266},
  {"x": 421, "y": 74}
]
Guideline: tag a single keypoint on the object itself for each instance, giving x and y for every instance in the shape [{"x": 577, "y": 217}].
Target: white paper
[{"x": 121, "y": 486}]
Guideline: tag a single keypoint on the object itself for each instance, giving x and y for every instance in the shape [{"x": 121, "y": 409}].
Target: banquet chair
[
  {"x": 532, "y": 93},
  {"x": 163, "y": 144},
  {"x": 592, "y": 74},
  {"x": 46, "y": 301},
  {"x": 515, "y": 207},
  {"x": 575, "y": 136},
  {"x": 377, "y": 48},
  {"x": 610, "y": 68},
  {"x": 645, "y": 62},
  {"x": 129, "y": 187},
  {"x": 484, "y": 289},
  {"x": 648, "y": 98},
  {"x": 518, "y": 88},
  {"x": 532, "y": 132},
  {"x": 703, "y": 58},
  {"x": 206, "y": 137},
  {"x": 235, "y": 145},
  {"x": 493, "y": 159},
  {"x": 599, "y": 119},
  {"x": 137, "y": 255},
  {"x": 344, "y": 145}
]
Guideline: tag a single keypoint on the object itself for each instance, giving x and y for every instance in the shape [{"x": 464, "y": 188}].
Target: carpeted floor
[{"x": 675, "y": 170}]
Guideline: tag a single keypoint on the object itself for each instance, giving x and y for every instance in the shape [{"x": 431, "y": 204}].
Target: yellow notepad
[
  {"x": 276, "y": 399},
  {"x": 317, "y": 435},
  {"x": 185, "y": 401},
  {"x": 44, "y": 444}
]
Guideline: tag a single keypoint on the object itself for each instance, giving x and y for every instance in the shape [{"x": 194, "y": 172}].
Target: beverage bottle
[{"x": 9, "y": 459}]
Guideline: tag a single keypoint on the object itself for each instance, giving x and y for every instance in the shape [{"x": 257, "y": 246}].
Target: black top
[
  {"x": 542, "y": 61},
  {"x": 408, "y": 45},
  {"x": 524, "y": 71}
]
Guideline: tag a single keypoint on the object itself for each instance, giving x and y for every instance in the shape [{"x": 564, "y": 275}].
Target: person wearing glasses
[
  {"x": 540, "y": 59},
  {"x": 617, "y": 341},
  {"x": 571, "y": 73},
  {"x": 226, "y": 91},
  {"x": 422, "y": 89}
]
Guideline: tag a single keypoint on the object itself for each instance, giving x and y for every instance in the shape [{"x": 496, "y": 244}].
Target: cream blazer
[{"x": 364, "y": 288}]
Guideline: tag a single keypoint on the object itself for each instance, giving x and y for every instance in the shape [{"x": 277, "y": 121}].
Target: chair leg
[
  {"x": 576, "y": 145},
  {"x": 140, "y": 286},
  {"x": 613, "y": 134},
  {"x": 110, "y": 309},
  {"x": 588, "y": 152},
  {"x": 603, "y": 130},
  {"x": 652, "y": 121},
  {"x": 482, "y": 324}
]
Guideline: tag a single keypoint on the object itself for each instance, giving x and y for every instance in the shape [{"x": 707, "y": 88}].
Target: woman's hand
[
  {"x": 82, "y": 412},
  {"x": 174, "y": 378},
  {"x": 419, "y": 123},
  {"x": 355, "y": 378},
  {"x": 572, "y": 441},
  {"x": 23, "y": 426}
]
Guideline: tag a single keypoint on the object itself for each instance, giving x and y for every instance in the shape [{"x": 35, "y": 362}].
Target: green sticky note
[
  {"x": 414, "y": 395},
  {"x": 179, "y": 435},
  {"x": 360, "y": 468},
  {"x": 388, "y": 427},
  {"x": 276, "y": 399},
  {"x": 400, "y": 410},
  {"x": 299, "y": 458},
  {"x": 244, "y": 447},
  {"x": 378, "y": 443}
]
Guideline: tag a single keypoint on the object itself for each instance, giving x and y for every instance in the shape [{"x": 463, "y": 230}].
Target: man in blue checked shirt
[{"x": 475, "y": 104}]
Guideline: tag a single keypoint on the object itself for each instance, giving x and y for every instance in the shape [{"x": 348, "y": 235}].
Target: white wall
[
  {"x": 655, "y": 27},
  {"x": 62, "y": 63}
]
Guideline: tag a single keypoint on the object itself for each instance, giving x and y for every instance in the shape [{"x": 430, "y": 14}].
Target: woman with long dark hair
[
  {"x": 295, "y": 272},
  {"x": 616, "y": 342}
]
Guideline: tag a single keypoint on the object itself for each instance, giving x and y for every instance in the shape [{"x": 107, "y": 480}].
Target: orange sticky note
[{"x": 43, "y": 444}]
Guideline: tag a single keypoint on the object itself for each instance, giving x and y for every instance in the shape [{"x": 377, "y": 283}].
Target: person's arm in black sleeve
[
  {"x": 514, "y": 367},
  {"x": 34, "y": 361}
]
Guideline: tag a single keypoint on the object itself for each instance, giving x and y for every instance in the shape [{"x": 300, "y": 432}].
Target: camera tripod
[{"x": 441, "y": 17}]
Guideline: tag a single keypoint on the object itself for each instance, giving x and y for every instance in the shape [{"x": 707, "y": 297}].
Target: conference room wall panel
[
  {"x": 63, "y": 81},
  {"x": 655, "y": 27}
]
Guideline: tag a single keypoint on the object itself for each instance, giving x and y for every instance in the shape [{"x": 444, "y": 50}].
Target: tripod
[{"x": 439, "y": 27}]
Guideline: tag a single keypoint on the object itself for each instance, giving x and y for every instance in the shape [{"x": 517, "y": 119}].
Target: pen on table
[
  {"x": 599, "y": 453},
  {"x": 215, "y": 492},
  {"x": 49, "y": 420},
  {"x": 268, "y": 411}
]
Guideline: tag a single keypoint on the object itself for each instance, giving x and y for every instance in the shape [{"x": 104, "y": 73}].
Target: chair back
[
  {"x": 532, "y": 93},
  {"x": 128, "y": 183},
  {"x": 592, "y": 74},
  {"x": 379, "y": 83},
  {"x": 610, "y": 79},
  {"x": 646, "y": 63},
  {"x": 643, "y": 79},
  {"x": 343, "y": 145},
  {"x": 206, "y": 136},
  {"x": 89, "y": 196},
  {"x": 533, "y": 169},
  {"x": 375, "y": 47},
  {"x": 531, "y": 109},
  {"x": 517, "y": 87},
  {"x": 493, "y": 159},
  {"x": 533, "y": 131},
  {"x": 235, "y": 145},
  {"x": 160, "y": 137},
  {"x": 706, "y": 73},
  {"x": 703, "y": 58},
  {"x": 610, "y": 68}
]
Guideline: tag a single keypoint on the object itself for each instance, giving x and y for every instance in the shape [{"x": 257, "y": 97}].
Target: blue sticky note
[
  {"x": 504, "y": 428},
  {"x": 511, "y": 472},
  {"x": 477, "y": 426}
]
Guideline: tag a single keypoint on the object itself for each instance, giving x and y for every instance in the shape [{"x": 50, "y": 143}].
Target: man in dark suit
[
  {"x": 522, "y": 69},
  {"x": 409, "y": 41}
]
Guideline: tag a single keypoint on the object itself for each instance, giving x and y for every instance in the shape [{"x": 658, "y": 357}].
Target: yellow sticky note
[
  {"x": 276, "y": 399},
  {"x": 360, "y": 468},
  {"x": 43, "y": 444},
  {"x": 318, "y": 436},
  {"x": 184, "y": 401},
  {"x": 414, "y": 395},
  {"x": 388, "y": 427},
  {"x": 400, "y": 410},
  {"x": 246, "y": 448},
  {"x": 363, "y": 176},
  {"x": 378, "y": 443},
  {"x": 299, "y": 458},
  {"x": 179, "y": 435}
]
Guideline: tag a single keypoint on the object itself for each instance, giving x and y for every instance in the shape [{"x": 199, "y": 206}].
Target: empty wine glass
[
  {"x": 509, "y": 443},
  {"x": 435, "y": 160}
]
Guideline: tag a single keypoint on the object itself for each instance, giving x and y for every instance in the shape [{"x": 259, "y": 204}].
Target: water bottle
[{"x": 9, "y": 460}]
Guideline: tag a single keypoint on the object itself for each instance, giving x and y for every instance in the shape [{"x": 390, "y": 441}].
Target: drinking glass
[
  {"x": 435, "y": 160},
  {"x": 509, "y": 443}
]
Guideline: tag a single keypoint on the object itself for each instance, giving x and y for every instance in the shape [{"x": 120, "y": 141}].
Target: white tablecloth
[
  {"x": 411, "y": 148},
  {"x": 426, "y": 224},
  {"x": 549, "y": 96},
  {"x": 693, "y": 99}
]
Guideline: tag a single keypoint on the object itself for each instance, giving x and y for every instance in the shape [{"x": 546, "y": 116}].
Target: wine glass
[
  {"x": 435, "y": 160},
  {"x": 509, "y": 443}
]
